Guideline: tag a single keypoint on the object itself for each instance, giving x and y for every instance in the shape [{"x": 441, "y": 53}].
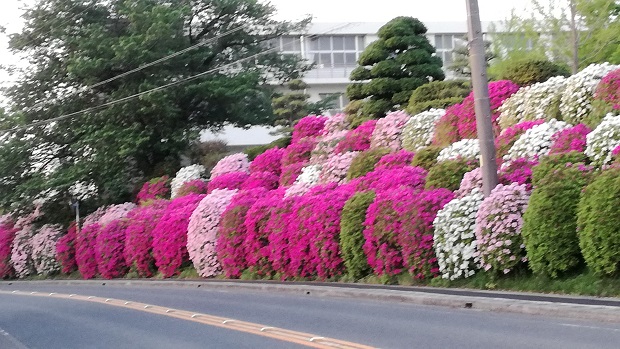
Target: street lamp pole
[{"x": 484, "y": 125}]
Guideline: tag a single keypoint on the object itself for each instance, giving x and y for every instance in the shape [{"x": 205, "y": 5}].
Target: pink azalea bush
[
  {"x": 336, "y": 167},
  {"x": 85, "y": 242},
  {"x": 139, "y": 228},
  {"x": 282, "y": 219},
  {"x": 269, "y": 161},
  {"x": 230, "y": 246},
  {"x": 170, "y": 235},
  {"x": 616, "y": 153},
  {"x": 570, "y": 139},
  {"x": 357, "y": 139},
  {"x": 509, "y": 136},
  {"x": 335, "y": 123},
  {"x": 115, "y": 212},
  {"x": 326, "y": 146},
  {"x": 7, "y": 234},
  {"x": 232, "y": 163},
  {"x": 313, "y": 242},
  {"x": 194, "y": 186},
  {"x": 156, "y": 188},
  {"x": 202, "y": 231},
  {"x": 400, "y": 158},
  {"x": 232, "y": 180},
  {"x": 308, "y": 127},
  {"x": 471, "y": 180},
  {"x": 256, "y": 239},
  {"x": 298, "y": 152},
  {"x": 267, "y": 180},
  {"x": 21, "y": 251},
  {"x": 498, "y": 228},
  {"x": 109, "y": 250},
  {"x": 518, "y": 171},
  {"x": 298, "y": 188},
  {"x": 608, "y": 89},
  {"x": 290, "y": 173},
  {"x": 44, "y": 249},
  {"x": 386, "y": 179},
  {"x": 65, "y": 250},
  {"x": 388, "y": 129}
]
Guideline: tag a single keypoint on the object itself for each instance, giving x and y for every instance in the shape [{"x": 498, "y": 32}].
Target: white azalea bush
[
  {"x": 465, "y": 149},
  {"x": 534, "y": 102},
  {"x": 576, "y": 102},
  {"x": 44, "y": 249},
  {"x": 184, "y": 175},
  {"x": 601, "y": 142},
  {"x": 418, "y": 131},
  {"x": 308, "y": 178},
  {"x": 454, "y": 238},
  {"x": 536, "y": 141}
]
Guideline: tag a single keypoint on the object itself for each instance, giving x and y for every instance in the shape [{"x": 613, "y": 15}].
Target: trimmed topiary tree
[
  {"x": 352, "y": 234},
  {"x": 396, "y": 64},
  {"x": 438, "y": 95},
  {"x": 448, "y": 174},
  {"x": 530, "y": 71},
  {"x": 365, "y": 162},
  {"x": 598, "y": 223}
]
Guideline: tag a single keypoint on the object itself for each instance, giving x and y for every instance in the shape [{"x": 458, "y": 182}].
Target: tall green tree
[
  {"x": 393, "y": 66},
  {"x": 460, "y": 64},
  {"x": 72, "y": 44}
]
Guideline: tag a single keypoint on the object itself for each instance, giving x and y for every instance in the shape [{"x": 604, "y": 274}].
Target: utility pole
[{"x": 484, "y": 125}]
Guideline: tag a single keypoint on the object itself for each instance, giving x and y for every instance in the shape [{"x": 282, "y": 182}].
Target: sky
[{"x": 321, "y": 11}]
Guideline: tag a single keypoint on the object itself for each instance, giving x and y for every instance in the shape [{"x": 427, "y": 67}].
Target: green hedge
[
  {"x": 352, "y": 234},
  {"x": 365, "y": 162},
  {"x": 438, "y": 94},
  {"x": 449, "y": 174},
  {"x": 530, "y": 71},
  {"x": 426, "y": 157}
]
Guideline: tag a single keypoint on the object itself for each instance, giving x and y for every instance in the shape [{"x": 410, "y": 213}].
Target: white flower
[
  {"x": 418, "y": 131},
  {"x": 309, "y": 174},
  {"x": 466, "y": 148},
  {"x": 185, "y": 175},
  {"x": 602, "y": 141},
  {"x": 536, "y": 141},
  {"x": 454, "y": 239}
]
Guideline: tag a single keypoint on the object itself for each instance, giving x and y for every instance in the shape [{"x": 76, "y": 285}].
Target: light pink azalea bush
[
  {"x": 325, "y": 146},
  {"x": 335, "y": 123},
  {"x": 170, "y": 235},
  {"x": 21, "y": 251},
  {"x": 388, "y": 129},
  {"x": 138, "y": 251},
  {"x": 44, "y": 249},
  {"x": 471, "y": 181},
  {"x": 498, "y": 228},
  {"x": 334, "y": 170},
  {"x": 7, "y": 234},
  {"x": 202, "y": 231},
  {"x": 232, "y": 163}
]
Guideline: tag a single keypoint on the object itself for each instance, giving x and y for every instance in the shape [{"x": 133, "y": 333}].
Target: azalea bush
[
  {"x": 550, "y": 220},
  {"x": 509, "y": 136},
  {"x": 448, "y": 174},
  {"x": 601, "y": 142},
  {"x": 230, "y": 246},
  {"x": 388, "y": 129},
  {"x": 365, "y": 162},
  {"x": 238, "y": 162},
  {"x": 267, "y": 180},
  {"x": 109, "y": 250},
  {"x": 357, "y": 139},
  {"x": 536, "y": 141},
  {"x": 325, "y": 146},
  {"x": 280, "y": 222},
  {"x": 21, "y": 251},
  {"x": 231, "y": 180},
  {"x": 85, "y": 250},
  {"x": 202, "y": 231},
  {"x": 308, "y": 127},
  {"x": 471, "y": 181},
  {"x": 392, "y": 178},
  {"x": 298, "y": 152},
  {"x": 7, "y": 234},
  {"x": 400, "y": 158},
  {"x": 352, "y": 234},
  {"x": 44, "y": 249},
  {"x": 170, "y": 235},
  {"x": 517, "y": 171},
  {"x": 463, "y": 149},
  {"x": 570, "y": 139},
  {"x": 418, "y": 131},
  {"x": 445, "y": 130},
  {"x": 139, "y": 228},
  {"x": 269, "y": 161},
  {"x": 195, "y": 186},
  {"x": 290, "y": 173},
  {"x": 335, "y": 123},
  {"x": 65, "y": 250},
  {"x": 540, "y": 101},
  {"x": 426, "y": 157},
  {"x": 185, "y": 174},
  {"x": 608, "y": 89},
  {"x": 598, "y": 223},
  {"x": 335, "y": 169},
  {"x": 156, "y": 188},
  {"x": 576, "y": 102},
  {"x": 454, "y": 237},
  {"x": 498, "y": 228}
]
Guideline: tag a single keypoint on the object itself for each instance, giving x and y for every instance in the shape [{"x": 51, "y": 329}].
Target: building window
[
  {"x": 335, "y": 51},
  {"x": 337, "y": 105}
]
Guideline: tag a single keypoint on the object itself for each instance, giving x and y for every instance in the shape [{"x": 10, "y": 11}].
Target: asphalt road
[{"x": 38, "y": 322}]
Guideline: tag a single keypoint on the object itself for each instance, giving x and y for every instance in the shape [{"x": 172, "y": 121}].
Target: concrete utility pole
[{"x": 484, "y": 125}]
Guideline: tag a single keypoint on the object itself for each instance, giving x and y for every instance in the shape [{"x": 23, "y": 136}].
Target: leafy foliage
[
  {"x": 529, "y": 71},
  {"x": 352, "y": 234},
  {"x": 426, "y": 157},
  {"x": 448, "y": 174},
  {"x": 438, "y": 95},
  {"x": 365, "y": 162}
]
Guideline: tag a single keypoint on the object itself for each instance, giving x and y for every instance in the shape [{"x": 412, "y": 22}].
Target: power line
[{"x": 163, "y": 87}]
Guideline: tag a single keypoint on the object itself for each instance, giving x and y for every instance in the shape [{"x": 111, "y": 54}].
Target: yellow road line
[{"x": 306, "y": 339}]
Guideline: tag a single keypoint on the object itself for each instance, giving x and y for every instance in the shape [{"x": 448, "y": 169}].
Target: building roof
[{"x": 364, "y": 28}]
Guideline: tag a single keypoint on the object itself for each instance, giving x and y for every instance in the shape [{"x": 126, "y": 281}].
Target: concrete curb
[{"x": 557, "y": 308}]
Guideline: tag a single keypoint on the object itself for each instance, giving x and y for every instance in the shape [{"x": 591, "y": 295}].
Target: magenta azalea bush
[
  {"x": 230, "y": 246},
  {"x": 509, "y": 136},
  {"x": 392, "y": 178},
  {"x": 232, "y": 163},
  {"x": 7, "y": 234},
  {"x": 388, "y": 129},
  {"x": 518, "y": 171},
  {"x": 498, "y": 228},
  {"x": 44, "y": 249},
  {"x": 297, "y": 153},
  {"x": 309, "y": 127},
  {"x": 170, "y": 235},
  {"x": 569, "y": 140},
  {"x": 281, "y": 221},
  {"x": 85, "y": 250},
  {"x": 269, "y": 161},
  {"x": 202, "y": 231},
  {"x": 334, "y": 170},
  {"x": 195, "y": 186},
  {"x": 139, "y": 228},
  {"x": 397, "y": 159},
  {"x": 267, "y": 180},
  {"x": 608, "y": 89},
  {"x": 155, "y": 189},
  {"x": 232, "y": 180},
  {"x": 290, "y": 173},
  {"x": 65, "y": 250},
  {"x": 256, "y": 241},
  {"x": 109, "y": 250},
  {"x": 357, "y": 139}
]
